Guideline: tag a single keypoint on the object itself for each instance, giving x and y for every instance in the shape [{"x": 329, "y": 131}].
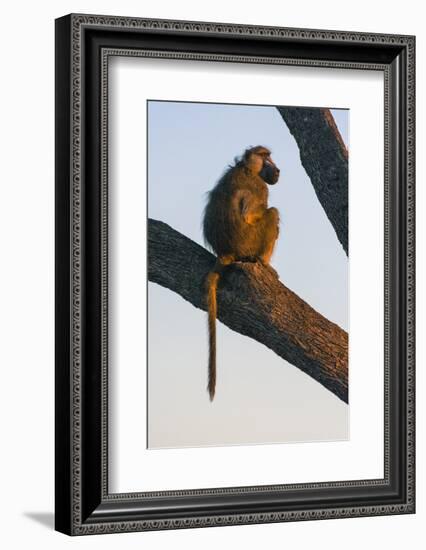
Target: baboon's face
[{"x": 262, "y": 164}]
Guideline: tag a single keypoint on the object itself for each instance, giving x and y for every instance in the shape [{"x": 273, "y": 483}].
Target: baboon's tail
[{"x": 211, "y": 287}]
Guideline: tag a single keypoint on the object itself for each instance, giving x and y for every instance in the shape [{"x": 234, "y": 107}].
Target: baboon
[{"x": 239, "y": 226}]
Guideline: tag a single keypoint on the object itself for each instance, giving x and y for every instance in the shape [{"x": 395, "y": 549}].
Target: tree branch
[
  {"x": 253, "y": 302},
  {"x": 325, "y": 159}
]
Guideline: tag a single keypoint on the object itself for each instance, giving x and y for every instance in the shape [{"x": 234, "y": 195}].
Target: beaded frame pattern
[{"x": 78, "y": 22}]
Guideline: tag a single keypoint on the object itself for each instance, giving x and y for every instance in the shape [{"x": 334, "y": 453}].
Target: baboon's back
[{"x": 224, "y": 226}]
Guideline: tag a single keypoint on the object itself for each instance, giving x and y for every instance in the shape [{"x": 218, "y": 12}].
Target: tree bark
[
  {"x": 324, "y": 156},
  {"x": 253, "y": 302}
]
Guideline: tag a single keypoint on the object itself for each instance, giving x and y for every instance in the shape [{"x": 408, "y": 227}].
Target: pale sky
[{"x": 260, "y": 398}]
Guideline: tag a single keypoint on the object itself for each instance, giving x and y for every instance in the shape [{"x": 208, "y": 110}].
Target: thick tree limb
[
  {"x": 253, "y": 302},
  {"x": 325, "y": 159}
]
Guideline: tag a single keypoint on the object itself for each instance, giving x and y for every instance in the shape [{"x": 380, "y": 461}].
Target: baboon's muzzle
[{"x": 270, "y": 174}]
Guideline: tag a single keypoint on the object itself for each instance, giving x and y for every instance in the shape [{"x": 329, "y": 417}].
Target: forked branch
[{"x": 325, "y": 158}]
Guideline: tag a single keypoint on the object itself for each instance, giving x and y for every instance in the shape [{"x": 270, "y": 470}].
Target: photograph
[{"x": 248, "y": 270}]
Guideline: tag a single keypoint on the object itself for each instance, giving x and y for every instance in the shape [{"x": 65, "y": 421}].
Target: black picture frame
[{"x": 83, "y": 504}]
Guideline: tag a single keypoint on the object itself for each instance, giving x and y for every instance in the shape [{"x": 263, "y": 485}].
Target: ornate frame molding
[{"x": 74, "y": 504}]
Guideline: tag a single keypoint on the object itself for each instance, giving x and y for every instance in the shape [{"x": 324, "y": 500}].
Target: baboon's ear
[{"x": 247, "y": 154}]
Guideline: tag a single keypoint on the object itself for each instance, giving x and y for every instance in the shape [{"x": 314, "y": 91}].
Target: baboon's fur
[{"x": 239, "y": 226}]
